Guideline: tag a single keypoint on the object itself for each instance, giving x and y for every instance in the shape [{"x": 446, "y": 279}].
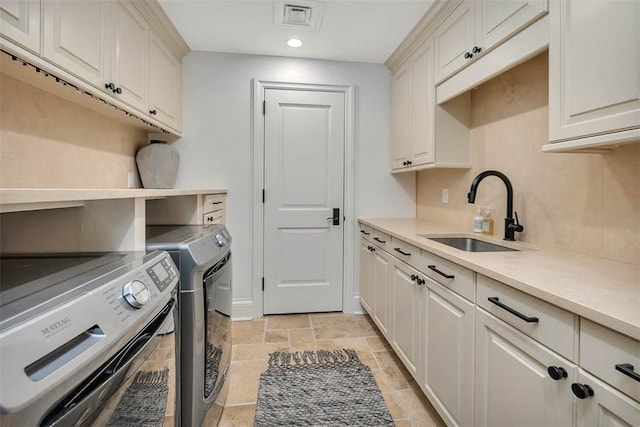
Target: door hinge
[
  {"x": 264, "y": 108},
  {"x": 263, "y": 195},
  {"x": 263, "y": 284}
]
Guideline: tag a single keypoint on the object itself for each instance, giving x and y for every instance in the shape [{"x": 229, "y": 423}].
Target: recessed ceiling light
[{"x": 294, "y": 43}]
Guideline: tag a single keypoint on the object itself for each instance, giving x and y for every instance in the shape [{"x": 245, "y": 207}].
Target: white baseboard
[{"x": 244, "y": 309}]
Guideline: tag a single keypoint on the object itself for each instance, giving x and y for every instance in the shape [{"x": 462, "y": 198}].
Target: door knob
[{"x": 336, "y": 216}]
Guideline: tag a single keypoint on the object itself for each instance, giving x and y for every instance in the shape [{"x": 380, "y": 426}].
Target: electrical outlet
[
  {"x": 131, "y": 181},
  {"x": 445, "y": 195}
]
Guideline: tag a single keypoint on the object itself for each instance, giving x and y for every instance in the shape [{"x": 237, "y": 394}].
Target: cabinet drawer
[
  {"x": 544, "y": 322},
  {"x": 216, "y": 217},
  {"x": 410, "y": 254},
  {"x": 604, "y": 352},
  {"x": 366, "y": 232},
  {"x": 453, "y": 276},
  {"x": 381, "y": 240},
  {"x": 213, "y": 202}
]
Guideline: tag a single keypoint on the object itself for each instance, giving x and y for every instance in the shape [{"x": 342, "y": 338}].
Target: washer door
[{"x": 137, "y": 384}]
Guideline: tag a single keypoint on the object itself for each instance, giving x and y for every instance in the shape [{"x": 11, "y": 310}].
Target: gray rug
[
  {"x": 145, "y": 401},
  {"x": 319, "y": 388}
]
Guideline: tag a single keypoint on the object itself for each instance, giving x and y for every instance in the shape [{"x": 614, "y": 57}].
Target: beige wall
[
  {"x": 47, "y": 141},
  {"x": 585, "y": 203}
]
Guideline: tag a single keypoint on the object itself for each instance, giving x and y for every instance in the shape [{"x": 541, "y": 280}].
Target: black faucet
[{"x": 510, "y": 225}]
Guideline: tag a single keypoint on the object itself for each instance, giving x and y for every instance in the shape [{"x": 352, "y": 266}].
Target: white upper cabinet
[
  {"x": 125, "y": 52},
  {"x": 76, "y": 37},
  {"x": 475, "y": 27},
  {"x": 413, "y": 110},
  {"x": 594, "y": 74},
  {"x": 20, "y": 23},
  {"x": 401, "y": 116},
  {"x": 130, "y": 64},
  {"x": 454, "y": 40},
  {"x": 103, "y": 42},
  {"x": 165, "y": 84}
]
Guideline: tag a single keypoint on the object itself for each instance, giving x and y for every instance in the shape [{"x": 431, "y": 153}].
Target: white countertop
[{"x": 604, "y": 291}]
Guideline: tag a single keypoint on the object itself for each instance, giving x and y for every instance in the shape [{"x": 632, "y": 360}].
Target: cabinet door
[
  {"x": 497, "y": 20},
  {"x": 607, "y": 406},
  {"x": 453, "y": 39},
  {"x": 448, "y": 353},
  {"x": 513, "y": 387},
  {"x": 366, "y": 284},
  {"x": 423, "y": 99},
  {"x": 380, "y": 279},
  {"x": 165, "y": 84},
  {"x": 401, "y": 116},
  {"x": 76, "y": 37},
  {"x": 594, "y": 67},
  {"x": 406, "y": 315},
  {"x": 130, "y": 63},
  {"x": 20, "y": 22}
]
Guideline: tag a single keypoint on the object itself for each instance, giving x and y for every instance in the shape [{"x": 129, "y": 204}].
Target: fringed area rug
[
  {"x": 319, "y": 388},
  {"x": 144, "y": 402}
]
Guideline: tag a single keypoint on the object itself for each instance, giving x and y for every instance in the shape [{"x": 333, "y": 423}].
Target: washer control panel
[{"x": 162, "y": 274}]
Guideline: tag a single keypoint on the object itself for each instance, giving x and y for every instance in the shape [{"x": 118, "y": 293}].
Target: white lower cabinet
[
  {"x": 382, "y": 293},
  {"x": 602, "y": 405},
  {"x": 375, "y": 292},
  {"x": 513, "y": 383},
  {"x": 448, "y": 353},
  {"x": 406, "y": 314},
  {"x": 367, "y": 294}
]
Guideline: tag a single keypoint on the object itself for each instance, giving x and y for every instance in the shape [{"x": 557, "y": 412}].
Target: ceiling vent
[{"x": 301, "y": 14}]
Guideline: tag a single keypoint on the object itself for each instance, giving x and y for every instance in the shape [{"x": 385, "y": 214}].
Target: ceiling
[{"x": 350, "y": 30}]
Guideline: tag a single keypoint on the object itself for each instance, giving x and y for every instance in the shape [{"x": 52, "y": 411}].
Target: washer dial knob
[{"x": 136, "y": 293}]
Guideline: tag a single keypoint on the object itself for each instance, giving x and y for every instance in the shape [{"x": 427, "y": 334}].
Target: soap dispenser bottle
[
  {"x": 477, "y": 221},
  {"x": 487, "y": 222}
]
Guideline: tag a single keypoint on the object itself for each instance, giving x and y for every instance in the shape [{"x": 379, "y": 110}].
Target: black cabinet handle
[
  {"x": 497, "y": 302},
  {"x": 557, "y": 372},
  {"x": 400, "y": 250},
  {"x": 209, "y": 218},
  {"x": 468, "y": 55},
  {"x": 409, "y": 162},
  {"x": 421, "y": 281},
  {"x": 378, "y": 240},
  {"x": 413, "y": 277},
  {"x": 476, "y": 49},
  {"x": 364, "y": 232},
  {"x": 443, "y": 274},
  {"x": 627, "y": 369},
  {"x": 153, "y": 112},
  {"x": 582, "y": 391},
  {"x": 216, "y": 203},
  {"x": 110, "y": 86},
  {"x": 117, "y": 90}
]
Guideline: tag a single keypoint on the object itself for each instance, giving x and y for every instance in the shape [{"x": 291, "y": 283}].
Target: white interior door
[{"x": 304, "y": 183}]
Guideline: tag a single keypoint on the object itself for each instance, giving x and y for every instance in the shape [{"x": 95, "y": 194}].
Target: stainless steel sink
[{"x": 469, "y": 244}]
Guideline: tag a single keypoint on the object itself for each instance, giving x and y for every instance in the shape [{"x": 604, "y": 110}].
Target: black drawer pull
[
  {"x": 216, "y": 203},
  {"x": 364, "y": 232},
  {"x": 378, "y": 240},
  {"x": 400, "y": 250},
  {"x": 497, "y": 302},
  {"x": 627, "y": 369},
  {"x": 442, "y": 273}
]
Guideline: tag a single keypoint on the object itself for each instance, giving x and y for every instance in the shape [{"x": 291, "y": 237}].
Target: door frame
[{"x": 349, "y": 224}]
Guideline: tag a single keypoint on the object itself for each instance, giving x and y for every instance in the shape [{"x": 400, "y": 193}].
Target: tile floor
[{"x": 254, "y": 340}]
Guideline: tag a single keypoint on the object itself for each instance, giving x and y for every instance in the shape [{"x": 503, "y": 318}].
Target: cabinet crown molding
[
  {"x": 162, "y": 25},
  {"x": 422, "y": 30}
]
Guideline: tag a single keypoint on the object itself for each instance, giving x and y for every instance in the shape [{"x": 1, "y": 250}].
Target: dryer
[{"x": 203, "y": 257}]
